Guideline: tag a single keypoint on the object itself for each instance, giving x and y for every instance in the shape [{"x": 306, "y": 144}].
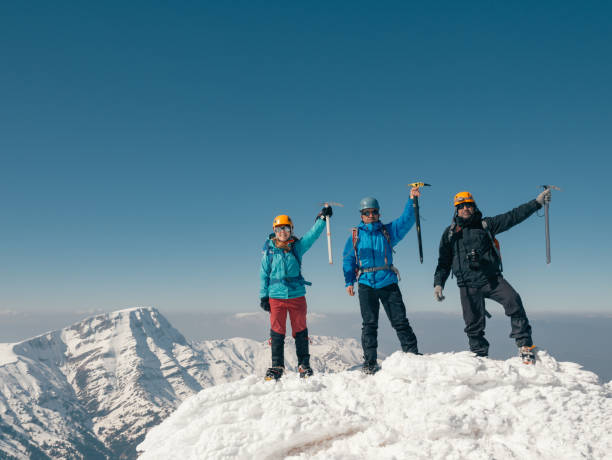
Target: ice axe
[
  {"x": 327, "y": 204},
  {"x": 417, "y": 217},
  {"x": 546, "y": 220}
]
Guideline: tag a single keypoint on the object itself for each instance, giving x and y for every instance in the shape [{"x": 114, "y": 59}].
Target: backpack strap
[
  {"x": 451, "y": 231},
  {"x": 268, "y": 251},
  {"x": 355, "y": 233},
  {"x": 494, "y": 243},
  {"x": 385, "y": 233}
]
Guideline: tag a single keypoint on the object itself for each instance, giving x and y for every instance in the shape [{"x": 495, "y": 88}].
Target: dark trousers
[
  {"x": 473, "y": 305},
  {"x": 391, "y": 298}
]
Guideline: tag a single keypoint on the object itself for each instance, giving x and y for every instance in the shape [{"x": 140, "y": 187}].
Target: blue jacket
[
  {"x": 284, "y": 264},
  {"x": 372, "y": 247}
]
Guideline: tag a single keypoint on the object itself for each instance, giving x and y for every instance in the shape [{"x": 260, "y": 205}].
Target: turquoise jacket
[{"x": 283, "y": 264}]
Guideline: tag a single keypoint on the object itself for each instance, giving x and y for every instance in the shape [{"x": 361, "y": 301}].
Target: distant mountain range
[{"x": 94, "y": 389}]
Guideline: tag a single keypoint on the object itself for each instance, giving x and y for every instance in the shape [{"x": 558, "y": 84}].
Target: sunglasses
[
  {"x": 282, "y": 228},
  {"x": 463, "y": 205},
  {"x": 370, "y": 213}
]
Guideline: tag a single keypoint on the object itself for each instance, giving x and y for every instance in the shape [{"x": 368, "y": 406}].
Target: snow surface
[{"x": 446, "y": 405}]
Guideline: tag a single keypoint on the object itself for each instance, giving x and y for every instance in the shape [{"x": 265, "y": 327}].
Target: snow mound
[{"x": 446, "y": 405}]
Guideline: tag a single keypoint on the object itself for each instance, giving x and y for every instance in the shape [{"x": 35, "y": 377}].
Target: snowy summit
[{"x": 446, "y": 405}]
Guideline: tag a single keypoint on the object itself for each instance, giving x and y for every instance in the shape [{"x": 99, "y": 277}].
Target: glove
[
  {"x": 264, "y": 303},
  {"x": 544, "y": 197},
  {"x": 325, "y": 212},
  {"x": 438, "y": 293}
]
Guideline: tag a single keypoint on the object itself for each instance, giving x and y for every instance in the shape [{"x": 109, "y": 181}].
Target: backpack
[{"x": 290, "y": 281}]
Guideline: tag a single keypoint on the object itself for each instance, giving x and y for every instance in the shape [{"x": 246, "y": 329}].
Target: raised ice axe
[
  {"x": 327, "y": 204},
  {"x": 546, "y": 220},
  {"x": 417, "y": 217}
]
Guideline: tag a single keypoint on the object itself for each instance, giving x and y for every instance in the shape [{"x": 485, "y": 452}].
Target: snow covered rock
[{"x": 443, "y": 406}]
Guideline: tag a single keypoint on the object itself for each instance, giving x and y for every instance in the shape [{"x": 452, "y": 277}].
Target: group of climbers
[{"x": 468, "y": 249}]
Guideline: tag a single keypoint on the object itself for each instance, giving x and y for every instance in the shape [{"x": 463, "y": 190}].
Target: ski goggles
[
  {"x": 463, "y": 205},
  {"x": 282, "y": 228},
  {"x": 369, "y": 212}
]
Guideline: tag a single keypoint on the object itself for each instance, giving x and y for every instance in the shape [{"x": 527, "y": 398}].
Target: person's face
[
  {"x": 369, "y": 215},
  {"x": 283, "y": 232},
  {"x": 465, "y": 210}
]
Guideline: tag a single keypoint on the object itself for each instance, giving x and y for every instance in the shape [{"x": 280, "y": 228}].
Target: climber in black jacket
[{"x": 468, "y": 247}]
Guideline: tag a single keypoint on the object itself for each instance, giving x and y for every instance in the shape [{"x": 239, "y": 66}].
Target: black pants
[
  {"x": 391, "y": 298},
  {"x": 473, "y": 305}
]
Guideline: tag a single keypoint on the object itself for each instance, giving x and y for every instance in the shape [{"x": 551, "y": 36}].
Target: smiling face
[
  {"x": 466, "y": 210},
  {"x": 370, "y": 215},
  {"x": 282, "y": 232}
]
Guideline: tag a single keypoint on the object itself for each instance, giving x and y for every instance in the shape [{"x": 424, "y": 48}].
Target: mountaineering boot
[
  {"x": 274, "y": 373},
  {"x": 413, "y": 352},
  {"x": 527, "y": 354},
  {"x": 305, "y": 371},
  {"x": 370, "y": 368}
]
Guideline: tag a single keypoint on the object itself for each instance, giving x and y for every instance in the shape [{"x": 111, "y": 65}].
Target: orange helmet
[
  {"x": 464, "y": 197},
  {"x": 283, "y": 219}
]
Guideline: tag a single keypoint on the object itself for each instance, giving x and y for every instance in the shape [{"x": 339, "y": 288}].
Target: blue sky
[{"x": 146, "y": 147}]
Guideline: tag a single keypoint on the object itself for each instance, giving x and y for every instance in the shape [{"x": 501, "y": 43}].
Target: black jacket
[{"x": 465, "y": 237}]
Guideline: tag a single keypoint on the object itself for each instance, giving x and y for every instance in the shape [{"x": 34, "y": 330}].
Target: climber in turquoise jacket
[{"x": 283, "y": 290}]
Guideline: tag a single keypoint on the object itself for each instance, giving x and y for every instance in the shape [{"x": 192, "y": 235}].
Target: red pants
[{"x": 297, "y": 314}]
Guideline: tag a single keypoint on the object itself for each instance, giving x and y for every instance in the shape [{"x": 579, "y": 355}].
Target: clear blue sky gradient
[{"x": 146, "y": 147}]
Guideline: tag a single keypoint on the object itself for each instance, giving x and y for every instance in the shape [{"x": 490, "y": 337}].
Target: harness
[
  {"x": 269, "y": 249},
  {"x": 360, "y": 270}
]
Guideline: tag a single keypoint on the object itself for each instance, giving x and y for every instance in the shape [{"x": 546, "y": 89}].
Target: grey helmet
[{"x": 368, "y": 202}]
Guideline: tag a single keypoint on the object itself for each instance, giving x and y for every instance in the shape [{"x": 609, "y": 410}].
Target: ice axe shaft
[
  {"x": 329, "y": 251},
  {"x": 329, "y": 248},
  {"x": 547, "y": 231},
  {"x": 547, "y": 220},
  {"x": 417, "y": 217}
]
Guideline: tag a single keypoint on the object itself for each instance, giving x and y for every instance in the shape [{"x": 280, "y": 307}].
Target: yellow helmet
[
  {"x": 283, "y": 219},
  {"x": 464, "y": 197}
]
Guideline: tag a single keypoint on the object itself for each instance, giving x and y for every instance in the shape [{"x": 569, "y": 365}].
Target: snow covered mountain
[
  {"x": 93, "y": 390},
  {"x": 441, "y": 406}
]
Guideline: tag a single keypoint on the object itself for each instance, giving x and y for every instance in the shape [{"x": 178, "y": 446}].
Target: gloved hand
[
  {"x": 544, "y": 197},
  {"x": 325, "y": 212},
  {"x": 438, "y": 293},
  {"x": 264, "y": 303}
]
